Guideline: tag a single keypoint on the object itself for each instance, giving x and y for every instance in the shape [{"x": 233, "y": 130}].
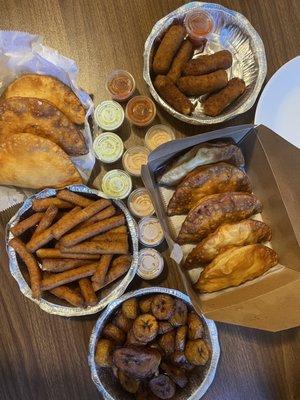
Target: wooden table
[{"x": 44, "y": 356}]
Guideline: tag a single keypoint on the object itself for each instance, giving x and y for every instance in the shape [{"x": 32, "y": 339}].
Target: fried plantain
[
  {"x": 195, "y": 326},
  {"x": 179, "y": 316},
  {"x": 122, "y": 322},
  {"x": 145, "y": 304},
  {"x": 130, "y": 308},
  {"x": 197, "y": 351},
  {"x": 180, "y": 338},
  {"x": 162, "y": 386},
  {"x": 103, "y": 355},
  {"x": 179, "y": 359},
  {"x": 128, "y": 383},
  {"x": 162, "y": 306},
  {"x": 145, "y": 328},
  {"x": 177, "y": 374},
  {"x": 111, "y": 331},
  {"x": 164, "y": 327},
  {"x": 132, "y": 340},
  {"x": 167, "y": 342}
]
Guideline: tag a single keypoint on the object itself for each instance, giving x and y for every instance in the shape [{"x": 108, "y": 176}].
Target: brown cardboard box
[{"x": 273, "y": 165}]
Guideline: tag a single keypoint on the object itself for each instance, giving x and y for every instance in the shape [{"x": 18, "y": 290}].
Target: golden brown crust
[
  {"x": 248, "y": 231},
  {"x": 208, "y": 63},
  {"x": 236, "y": 266},
  {"x": 205, "y": 180},
  {"x": 203, "y": 84},
  {"x": 215, "y": 209},
  {"x": 48, "y": 88},
  {"x": 183, "y": 55}
]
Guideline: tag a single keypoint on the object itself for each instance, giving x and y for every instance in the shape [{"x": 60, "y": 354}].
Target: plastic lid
[
  {"x": 120, "y": 84},
  {"x": 108, "y": 147},
  {"x": 151, "y": 264},
  {"x": 140, "y": 204},
  {"x": 140, "y": 110},
  {"x": 150, "y": 232},
  {"x": 134, "y": 158},
  {"x": 116, "y": 184},
  {"x": 198, "y": 24},
  {"x": 109, "y": 115},
  {"x": 158, "y": 135}
]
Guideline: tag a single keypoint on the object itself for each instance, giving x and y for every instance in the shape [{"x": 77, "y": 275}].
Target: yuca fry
[
  {"x": 103, "y": 247},
  {"x": 106, "y": 213},
  {"x": 88, "y": 292},
  {"x": 203, "y": 84},
  {"x": 43, "y": 204},
  {"x": 68, "y": 294},
  {"x": 27, "y": 223},
  {"x": 74, "y": 198},
  {"x": 182, "y": 57},
  {"x": 54, "y": 280},
  {"x": 110, "y": 237},
  {"x": 39, "y": 240},
  {"x": 69, "y": 222},
  {"x": 56, "y": 253},
  {"x": 60, "y": 265},
  {"x": 101, "y": 271},
  {"x": 119, "y": 267},
  {"x": 82, "y": 234},
  {"x": 46, "y": 220},
  {"x": 111, "y": 233},
  {"x": 35, "y": 274}
]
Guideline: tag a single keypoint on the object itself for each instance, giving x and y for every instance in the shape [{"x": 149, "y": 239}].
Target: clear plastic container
[
  {"x": 150, "y": 232},
  {"x": 134, "y": 158},
  {"x": 199, "y": 25},
  {"x": 151, "y": 264},
  {"x": 157, "y": 135},
  {"x": 109, "y": 115},
  {"x": 140, "y": 110},
  {"x": 140, "y": 204},
  {"x": 120, "y": 84},
  {"x": 108, "y": 147},
  {"x": 116, "y": 184}
]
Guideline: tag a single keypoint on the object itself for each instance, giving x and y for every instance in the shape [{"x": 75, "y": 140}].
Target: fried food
[
  {"x": 183, "y": 55},
  {"x": 106, "y": 213},
  {"x": 56, "y": 253},
  {"x": 26, "y": 224},
  {"x": 145, "y": 304},
  {"x": 39, "y": 117},
  {"x": 167, "y": 342},
  {"x": 216, "y": 103},
  {"x": 43, "y": 204},
  {"x": 46, "y": 220},
  {"x": 180, "y": 338},
  {"x": 164, "y": 327},
  {"x": 74, "y": 198},
  {"x": 236, "y": 266},
  {"x": 88, "y": 292},
  {"x": 162, "y": 386},
  {"x": 195, "y": 326},
  {"x": 162, "y": 306},
  {"x": 248, "y": 231},
  {"x": 114, "y": 333},
  {"x": 102, "y": 268},
  {"x": 39, "y": 240},
  {"x": 213, "y": 210},
  {"x": 104, "y": 247},
  {"x": 62, "y": 264},
  {"x": 128, "y": 383},
  {"x": 208, "y": 63},
  {"x": 167, "y": 49},
  {"x": 119, "y": 267},
  {"x": 139, "y": 362},
  {"x": 31, "y": 264},
  {"x": 130, "y": 308},
  {"x": 197, "y": 352},
  {"x": 34, "y": 162},
  {"x": 206, "y": 180},
  {"x": 145, "y": 328},
  {"x": 103, "y": 354},
  {"x": 179, "y": 359},
  {"x": 172, "y": 95},
  {"x": 203, "y": 154},
  {"x": 177, "y": 375},
  {"x": 48, "y": 88},
  {"x": 122, "y": 322},
  {"x": 202, "y": 84},
  {"x": 70, "y": 295},
  {"x": 179, "y": 316},
  {"x": 132, "y": 340}
]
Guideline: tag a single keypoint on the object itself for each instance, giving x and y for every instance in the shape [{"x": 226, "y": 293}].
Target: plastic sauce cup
[
  {"x": 158, "y": 135},
  {"x": 199, "y": 25},
  {"x": 116, "y": 184},
  {"x": 109, "y": 115},
  {"x": 140, "y": 203},
  {"x": 108, "y": 147},
  {"x": 134, "y": 158},
  {"x": 120, "y": 84},
  {"x": 150, "y": 232},
  {"x": 151, "y": 264},
  {"x": 140, "y": 110}
]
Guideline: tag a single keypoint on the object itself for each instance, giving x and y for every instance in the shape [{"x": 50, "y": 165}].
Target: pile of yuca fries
[{"x": 87, "y": 242}]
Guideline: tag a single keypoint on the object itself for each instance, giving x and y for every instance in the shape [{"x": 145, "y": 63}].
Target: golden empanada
[
  {"x": 39, "y": 117},
  {"x": 205, "y": 180},
  {"x": 213, "y": 210},
  {"x": 48, "y": 88},
  {"x": 236, "y": 266},
  {"x": 248, "y": 231},
  {"x": 34, "y": 162}
]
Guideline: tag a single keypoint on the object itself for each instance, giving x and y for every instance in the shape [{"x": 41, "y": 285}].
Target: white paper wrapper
[{"x": 21, "y": 53}]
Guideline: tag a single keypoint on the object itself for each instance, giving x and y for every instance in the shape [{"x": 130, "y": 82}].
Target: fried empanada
[
  {"x": 47, "y": 87},
  {"x": 213, "y": 210},
  {"x": 205, "y": 180},
  {"x": 248, "y": 231},
  {"x": 39, "y": 117},
  {"x": 203, "y": 154},
  {"x": 235, "y": 266},
  {"x": 34, "y": 162}
]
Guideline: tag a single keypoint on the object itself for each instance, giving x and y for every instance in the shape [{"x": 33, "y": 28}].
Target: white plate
[{"x": 279, "y": 105}]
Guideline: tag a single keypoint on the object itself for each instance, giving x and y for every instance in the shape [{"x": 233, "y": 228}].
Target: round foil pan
[
  {"x": 58, "y": 307},
  {"x": 232, "y": 31},
  {"x": 199, "y": 380}
]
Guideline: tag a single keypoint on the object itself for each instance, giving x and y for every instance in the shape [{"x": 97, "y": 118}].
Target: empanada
[
  {"x": 39, "y": 117},
  {"x": 248, "y": 231},
  {"x": 215, "y": 209},
  {"x": 203, "y": 154},
  {"x": 47, "y": 87},
  {"x": 235, "y": 266},
  {"x": 33, "y": 162},
  {"x": 205, "y": 180}
]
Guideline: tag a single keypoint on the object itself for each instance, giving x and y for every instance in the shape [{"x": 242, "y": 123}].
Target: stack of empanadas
[
  {"x": 215, "y": 193},
  {"x": 40, "y": 128}
]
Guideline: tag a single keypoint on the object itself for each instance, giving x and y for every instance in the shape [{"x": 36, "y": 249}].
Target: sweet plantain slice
[
  {"x": 103, "y": 355},
  {"x": 132, "y": 340},
  {"x": 114, "y": 333},
  {"x": 122, "y": 322},
  {"x": 130, "y": 384},
  {"x": 175, "y": 373},
  {"x": 162, "y": 386},
  {"x": 195, "y": 326},
  {"x": 130, "y": 308},
  {"x": 180, "y": 338},
  {"x": 164, "y": 327},
  {"x": 162, "y": 306},
  {"x": 179, "y": 359},
  {"x": 197, "y": 352},
  {"x": 145, "y": 328},
  {"x": 167, "y": 342},
  {"x": 145, "y": 304},
  {"x": 179, "y": 316}
]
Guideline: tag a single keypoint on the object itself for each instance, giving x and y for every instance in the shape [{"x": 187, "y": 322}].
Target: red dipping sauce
[
  {"x": 120, "y": 84},
  {"x": 198, "y": 24},
  {"x": 140, "y": 110}
]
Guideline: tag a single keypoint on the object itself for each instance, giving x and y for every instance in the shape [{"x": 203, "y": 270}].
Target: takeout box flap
[{"x": 272, "y": 165}]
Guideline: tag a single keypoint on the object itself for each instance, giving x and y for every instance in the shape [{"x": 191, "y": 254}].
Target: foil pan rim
[
  {"x": 57, "y": 309},
  {"x": 261, "y": 57},
  {"x": 211, "y": 330}
]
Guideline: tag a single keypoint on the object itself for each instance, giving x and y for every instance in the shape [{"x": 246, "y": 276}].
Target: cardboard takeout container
[{"x": 270, "y": 302}]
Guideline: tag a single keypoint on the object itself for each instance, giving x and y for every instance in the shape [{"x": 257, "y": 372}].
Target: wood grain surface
[{"x": 44, "y": 357}]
